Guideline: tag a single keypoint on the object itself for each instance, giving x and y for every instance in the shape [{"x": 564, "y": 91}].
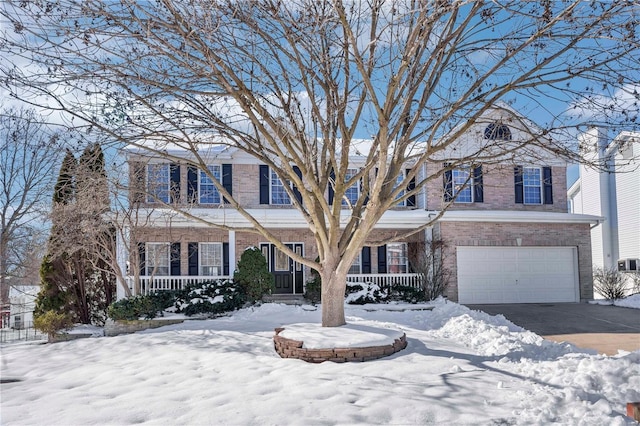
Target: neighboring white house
[
  {"x": 613, "y": 193},
  {"x": 23, "y": 302}
]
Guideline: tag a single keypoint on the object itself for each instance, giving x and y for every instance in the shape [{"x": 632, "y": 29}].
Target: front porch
[{"x": 152, "y": 284}]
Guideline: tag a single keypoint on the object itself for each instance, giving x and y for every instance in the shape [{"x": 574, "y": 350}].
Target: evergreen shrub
[
  {"x": 363, "y": 293},
  {"x": 313, "y": 288},
  {"x": 210, "y": 298},
  {"x": 136, "y": 307},
  {"x": 253, "y": 275},
  {"x": 50, "y": 322}
]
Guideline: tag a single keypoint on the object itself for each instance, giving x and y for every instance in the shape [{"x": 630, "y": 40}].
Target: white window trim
[
  {"x": 148, "y": 257},
  {"x": 201, "y": 263},
  {"x": 200, "y": 181},
  {"x": 150, "y": 193},
  {"x": 540, "y": 188}
]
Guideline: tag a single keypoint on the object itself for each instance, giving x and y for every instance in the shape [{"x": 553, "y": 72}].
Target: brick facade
[
  {"x": 499, "y": 191},
  {"x": 456, "y": 234}
]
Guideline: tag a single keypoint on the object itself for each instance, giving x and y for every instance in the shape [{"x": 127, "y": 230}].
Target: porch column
[{"x": 232, "y": 252}]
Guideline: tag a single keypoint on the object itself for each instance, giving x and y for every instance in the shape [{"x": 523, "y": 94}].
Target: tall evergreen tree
[
  {"x": 54, "y": 277},
  {"x": 64, "y": 190},
  {"x": 75, "y": 279}
]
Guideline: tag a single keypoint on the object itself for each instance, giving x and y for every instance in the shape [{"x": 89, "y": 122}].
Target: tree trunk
[{"x": 334, "y": 282}]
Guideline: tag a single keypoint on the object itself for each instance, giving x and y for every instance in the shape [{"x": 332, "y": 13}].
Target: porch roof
[
  {"x": 518, "y": 216},
  {"x": 273, "y": 218}
]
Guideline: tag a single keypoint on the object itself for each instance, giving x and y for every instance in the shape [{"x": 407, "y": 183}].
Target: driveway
[{"x": 600, "y": 327}]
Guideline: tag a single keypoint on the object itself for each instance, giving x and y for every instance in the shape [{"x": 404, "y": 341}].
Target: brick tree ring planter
[{"x": 390, "y": 342}]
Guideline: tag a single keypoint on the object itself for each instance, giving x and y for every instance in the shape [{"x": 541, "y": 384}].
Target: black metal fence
[{"x": 24, "y": 333}]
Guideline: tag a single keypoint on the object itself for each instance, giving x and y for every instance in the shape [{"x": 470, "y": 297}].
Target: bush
[
  {"x": 50, "y": 322},
  {"x": 313, "y": 288},
  {"x": 609, "y": 283},
  {"x": 213, "y": 297},
  {"x": 147, "y": 306},
  {"x": 406, "y": 293},
  {"x": 360, "y": 294},
  {"x": 427, "y": 259},
  {"x": 253, "y": 275}
]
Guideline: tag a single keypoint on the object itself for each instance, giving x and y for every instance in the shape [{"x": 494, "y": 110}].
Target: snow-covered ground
[{"x": 460, "y": 367}]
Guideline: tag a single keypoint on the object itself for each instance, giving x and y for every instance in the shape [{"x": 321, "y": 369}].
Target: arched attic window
[{"x": 497, "y": 131}]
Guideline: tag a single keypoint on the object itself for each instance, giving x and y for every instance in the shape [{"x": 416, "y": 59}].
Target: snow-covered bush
[
  {"x": 363, "y": 293},
  {"x": 210, "y": 298}
]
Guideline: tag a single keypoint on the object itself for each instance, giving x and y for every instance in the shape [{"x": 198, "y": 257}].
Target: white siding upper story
[
  {"x": 613, "y": 194},
  {"x": 628, "y": 199}
]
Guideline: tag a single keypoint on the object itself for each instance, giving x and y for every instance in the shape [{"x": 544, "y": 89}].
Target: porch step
[{"x": 287, "y": 299}]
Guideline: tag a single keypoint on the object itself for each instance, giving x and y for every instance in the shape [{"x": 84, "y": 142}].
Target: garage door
[{"x": 517, "y": 274}]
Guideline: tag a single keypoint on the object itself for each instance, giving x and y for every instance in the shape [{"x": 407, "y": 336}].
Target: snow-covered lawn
[{"x": 460, "y": 367}]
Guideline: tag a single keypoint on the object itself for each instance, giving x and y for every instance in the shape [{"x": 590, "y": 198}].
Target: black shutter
[
  {"x": 193, "y": 259},
  {"x": 448, "y": 184},
  {"x": 331, "y": 192},
  {"x": 227, "y": 179},
  {"x": 411, "y": 201},
  {"x": 264, "y": 184},
  {"x": 478, "y": 189},
  {"x": 366, "y": 260},
  {"x": 192, "y": 184},
  {"x": 519, "y": 185},
  {"x": 548, "y": 187},
  {"x": 382, "y": 259},
  {"x": 142, "y": 256},
  {"x": 366, "y": 198},
  {"x": 225, "y": 258},
  {"x": 296, "y": 192},
  {"x": 174, "y": 257},
  {"x": 174, "y": 186}
]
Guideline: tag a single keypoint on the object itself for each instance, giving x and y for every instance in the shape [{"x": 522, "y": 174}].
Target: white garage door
[{"x": 517, "y": 274}]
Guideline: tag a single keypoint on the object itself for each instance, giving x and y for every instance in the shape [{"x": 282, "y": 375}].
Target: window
[
  {"x": 532, "y": 185},
  {"x": 353, "y": 192},
  {"x": 280, "y": 261},
  {"x": 158, "y": 183},
  {"x": 397, "y": 261},
  {"x": 158, "y": 259},
  {"x": 206, "y": 189},
  {"x": 462, "y": 185},
  {"x": 356, "y": 266},
  {"x": 497, "y": 131},
  {"x": 399, "y": 180},
  {"x": 210, "y": 259},
  {"x": 279, "y": 194}
]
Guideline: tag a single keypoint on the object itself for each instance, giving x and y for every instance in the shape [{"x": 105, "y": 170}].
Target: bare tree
[
  {"x": 28, "y": 150},
  {"x": 427, "y": 260},
  {"x": 297, "y": 83}
]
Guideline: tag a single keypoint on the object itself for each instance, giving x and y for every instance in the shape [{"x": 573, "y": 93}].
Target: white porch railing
[
  {"x": 388, "y": 280},
  {"x": 151, "y": 284}
]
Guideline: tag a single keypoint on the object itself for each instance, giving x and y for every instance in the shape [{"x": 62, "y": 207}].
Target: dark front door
[{"x": 287, "y": 273}]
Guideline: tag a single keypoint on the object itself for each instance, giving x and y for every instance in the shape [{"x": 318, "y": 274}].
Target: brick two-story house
[{"x": 507, "y": 232}]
